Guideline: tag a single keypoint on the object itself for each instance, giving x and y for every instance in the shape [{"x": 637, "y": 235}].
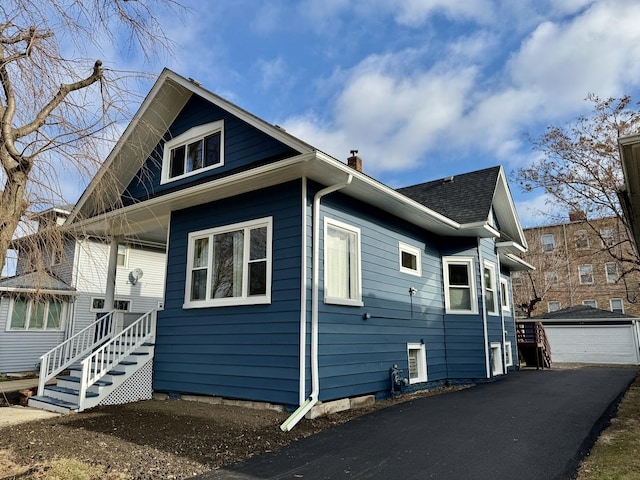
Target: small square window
[
  {"x": 417, "y": 360},
  {"x": 553, "y": 306},
  {"x": 516, "y": 278},
  {"x": 123, "y": 255},
  {"x": 585, "y": 273},
  {"x": 550, "y": 279},
  {"x": 616, "y": 305},
  {"x": 548, "y": 242},
  {"x": 97, "y": 305},
  {"x": 410, "y": 259}
]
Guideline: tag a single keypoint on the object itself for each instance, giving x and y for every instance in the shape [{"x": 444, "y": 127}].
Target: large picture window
[
  {"x": 198, "y": 149},
  {"x": 36, "y": 314},
  {"x": 459, "y": 284},
  {"x": 230, "y": 265},
  {"x": 342, "y": 276}
]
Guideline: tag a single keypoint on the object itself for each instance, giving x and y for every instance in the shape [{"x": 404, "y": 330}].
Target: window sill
[
  {"x": 461, "y": 312},
  {"x": 343, "y": 301},
  {"x": 226, "y": 302}
]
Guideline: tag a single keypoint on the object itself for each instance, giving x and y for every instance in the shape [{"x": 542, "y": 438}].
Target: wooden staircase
[
  {"x": 108, "y": 369},
  {"x": 533, "y": 345}
]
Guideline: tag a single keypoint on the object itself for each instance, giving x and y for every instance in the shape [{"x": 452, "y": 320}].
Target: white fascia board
[
  {"x": 66, "y": 293},
  {"x": 511, "y": 247},
  {"x": 515, "y": 262},
  {"x": 481, "y": 229}
]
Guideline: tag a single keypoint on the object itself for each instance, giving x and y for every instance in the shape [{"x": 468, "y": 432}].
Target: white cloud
[
  {"x": 390, "y": 117},
  {"x": 416, "y": 12},
  {"x": 534, "y": 211}
]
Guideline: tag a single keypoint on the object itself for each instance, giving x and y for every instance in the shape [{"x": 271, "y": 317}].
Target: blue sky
[{"x": 422, "y": 88}]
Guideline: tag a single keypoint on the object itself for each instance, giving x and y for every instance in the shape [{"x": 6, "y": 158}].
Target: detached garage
[{"x": 584, "y": 334}]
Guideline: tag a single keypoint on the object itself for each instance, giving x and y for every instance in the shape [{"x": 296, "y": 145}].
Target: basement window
[{"x": 417, "y": 358}]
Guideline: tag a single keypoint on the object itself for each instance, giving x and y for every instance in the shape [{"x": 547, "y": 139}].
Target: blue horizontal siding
[
  {"x": 244, "y": 145},
  {"x": 247, "y": 351}
]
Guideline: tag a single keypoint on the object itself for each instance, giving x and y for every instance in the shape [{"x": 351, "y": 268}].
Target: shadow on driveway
[{"x": 530, "y": 425}]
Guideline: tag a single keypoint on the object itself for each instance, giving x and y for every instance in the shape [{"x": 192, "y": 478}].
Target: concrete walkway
[
  {"x": 17, "y": 414},
  {"x": 531, "y": 425}
]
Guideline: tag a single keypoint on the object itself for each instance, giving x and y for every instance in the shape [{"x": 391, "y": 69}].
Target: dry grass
[{"x": 616, "y": 454}]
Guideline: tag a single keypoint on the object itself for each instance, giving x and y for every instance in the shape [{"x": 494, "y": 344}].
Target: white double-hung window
[
  {"x": 490, "y": 289},
  {"x": 230, "y": 265},
  {"x": 196, "y": 150},
  {"x": 342, "y": 274},
  {"x": 459, "y": 285}
]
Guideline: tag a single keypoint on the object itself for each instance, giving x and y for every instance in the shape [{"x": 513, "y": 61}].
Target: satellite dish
[{"x": 135, "y": 275}]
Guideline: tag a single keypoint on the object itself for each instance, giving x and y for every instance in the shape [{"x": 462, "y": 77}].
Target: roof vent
[{"x": 448, "y": 179}]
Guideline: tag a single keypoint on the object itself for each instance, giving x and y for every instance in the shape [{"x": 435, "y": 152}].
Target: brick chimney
[
  {"x": 577, "y": 215},
  {"x": 354, "y": 161}
]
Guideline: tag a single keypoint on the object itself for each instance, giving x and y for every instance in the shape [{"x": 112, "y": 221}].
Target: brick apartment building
[{"x": 574, "y": 266}]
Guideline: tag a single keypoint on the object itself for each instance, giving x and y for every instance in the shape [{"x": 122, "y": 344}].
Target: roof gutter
[{"x": 296, "y": 416}]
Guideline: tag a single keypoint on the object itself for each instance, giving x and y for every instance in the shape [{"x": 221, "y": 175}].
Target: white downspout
[
  {"x": 299, "y": 414},
  {"x": 303, "y": 298}
]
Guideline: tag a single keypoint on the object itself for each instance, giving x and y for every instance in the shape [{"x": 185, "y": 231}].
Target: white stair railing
[
  {"x": 109, "y": 355},
  {"x": 74, "y": 348}
]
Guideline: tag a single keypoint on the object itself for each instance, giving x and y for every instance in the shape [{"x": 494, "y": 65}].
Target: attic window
[{"x": 197, "y": 150}]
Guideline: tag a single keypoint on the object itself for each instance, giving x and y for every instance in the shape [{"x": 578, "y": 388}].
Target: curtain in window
[
  {"x": 459, "y": 287},
  {"x": 340, "y": 263},
  {"x": 19, "y": 314}
]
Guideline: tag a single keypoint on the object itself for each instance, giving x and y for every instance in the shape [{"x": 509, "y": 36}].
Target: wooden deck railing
[{"x": 533, "y": 342}]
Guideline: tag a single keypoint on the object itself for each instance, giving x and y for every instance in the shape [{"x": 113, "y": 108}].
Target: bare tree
[
  {"x": 59, "y": 108},
  {"x": 581, "y": 170}
]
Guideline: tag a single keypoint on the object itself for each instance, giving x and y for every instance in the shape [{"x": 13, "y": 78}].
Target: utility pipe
[{"x": 299, "y": 414}]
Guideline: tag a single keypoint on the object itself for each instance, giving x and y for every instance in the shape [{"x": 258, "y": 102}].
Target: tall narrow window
[
  {"x": 611, "y": 271},
  {"x": 548, "y": 242},
  {"x": 342, "y": 264},
  {"x": 417, "y": 360},
  {"x": 459, "y": 284},
  {"x": 123, "y": 255},
  {"x": 585, "y": 273},
  {"x": 504, "y": 295},
  {"x": 606, "y": 235},
  {"x": 230, "y": 265},
  {"x": 196, "y": 150},
  {"x": 490, "y": 289}
]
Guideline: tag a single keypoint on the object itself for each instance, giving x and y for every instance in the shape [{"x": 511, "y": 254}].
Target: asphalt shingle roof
[
  {"x": 35, "y": 281},
  {"x": 582, "y": 312},
  {"x": 464, "y": 198}
]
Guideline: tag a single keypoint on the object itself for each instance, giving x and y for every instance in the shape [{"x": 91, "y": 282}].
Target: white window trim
[
  {"x": 469, "y": 262},
  {"x": 580, "y": 274},
  {"x": 552, "y": 244},
  {"x": 508, "y": 355},
  {"x": 519, "y": 277},
  {"x": 357, "y": 301},
  {"x": 189, "y": 136},
  {"x": 492, "y": 268},
  {"x": 98, "y": 310},
  {"x": 616, "y": 299},
  {"x": 126, "y": 256},
  {"x": 595, "y": 303},
  {"x": 611, "y": 280},
  {"x": 582, "y": 234},
  {"x": 402, "y": 248},
  {"x": 504, "y": 289},
  {"x": 63, "y": 316},
  {"x": 422, "y": 362},
  {"x": 245, "y": 299}
]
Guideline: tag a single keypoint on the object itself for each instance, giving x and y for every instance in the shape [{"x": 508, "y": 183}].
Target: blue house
[{"x": 295, "y": 278}]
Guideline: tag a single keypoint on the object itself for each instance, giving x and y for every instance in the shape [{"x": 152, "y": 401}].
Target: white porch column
[{"x": 109, "y": 295}]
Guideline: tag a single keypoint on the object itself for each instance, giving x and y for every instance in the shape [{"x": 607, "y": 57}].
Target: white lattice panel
[{"x": 137, "y": 387}]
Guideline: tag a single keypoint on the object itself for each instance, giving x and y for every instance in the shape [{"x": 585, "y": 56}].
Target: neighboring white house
[{"x": 40, "y": 309}]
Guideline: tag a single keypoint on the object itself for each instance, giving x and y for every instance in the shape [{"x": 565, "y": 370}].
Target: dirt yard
[{"x": 168, "y": 439}]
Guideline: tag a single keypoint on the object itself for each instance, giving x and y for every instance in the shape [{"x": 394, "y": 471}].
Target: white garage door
[{"x": 593, "y": 344}]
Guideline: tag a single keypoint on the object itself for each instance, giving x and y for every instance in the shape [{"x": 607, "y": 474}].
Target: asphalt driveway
[{"x": 530, "y": 425}]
